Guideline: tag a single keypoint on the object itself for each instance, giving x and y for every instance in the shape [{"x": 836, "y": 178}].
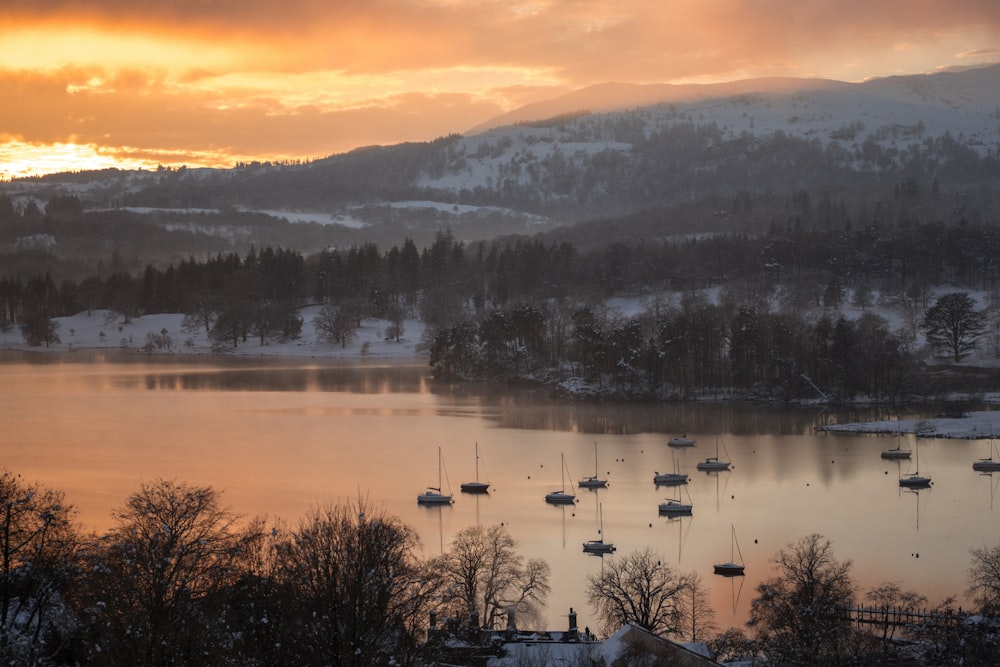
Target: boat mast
[
  {"x": 562, "y": 473},
  {"x": 439, "y": 469}
]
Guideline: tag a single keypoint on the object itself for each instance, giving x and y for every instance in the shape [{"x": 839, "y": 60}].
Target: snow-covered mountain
[{"x": 737, "y": 156}]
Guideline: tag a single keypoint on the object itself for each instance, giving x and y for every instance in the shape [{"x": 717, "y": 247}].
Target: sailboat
[
  {"x": 713, "y": 463},
  {"x": 561, "y": 497},
  {"x": 732, "y": 568},
  {"x": 433, "y": 495},
  {"x": 593, "y": 482},
  {"x": 674, "y": 478},
  {"x": 896, "y": 453},
  {"x": 681, "y": 441},
  {"x": 915, "y": 480},
  {"x": 988, "y": 464},
  {"x": 599, "y": 546},
  {"x": 476, "y": 486},
  {"x": 676, "y": 507}
]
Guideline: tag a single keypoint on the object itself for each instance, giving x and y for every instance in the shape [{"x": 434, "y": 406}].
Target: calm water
[{"x": 278, "y": 438}]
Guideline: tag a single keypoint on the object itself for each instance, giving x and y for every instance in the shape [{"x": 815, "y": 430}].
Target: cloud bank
[{"x": 195, "y": 82}]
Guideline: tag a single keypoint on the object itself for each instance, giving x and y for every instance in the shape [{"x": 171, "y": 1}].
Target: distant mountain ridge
[
  {"x": 641, "y": 162},
  {"x": 952, "y": 89}
]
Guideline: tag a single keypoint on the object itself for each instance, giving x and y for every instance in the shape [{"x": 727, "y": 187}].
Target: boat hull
[
  {"x": 729, "y": 569},
  {"x": 713, "y": 464},
  {"x": 986, "y": 465},
  {"x": 681, "y": 441},
  {"x": 433, "y": 498},
  {"x": 598, "y": 547},
  {"x": 592, "y": 483},
  {"x": 895, "y": 454},
  {"x": 475, "y": 487},
  {"x": 915, "y": 482},
  {"x": 670, "y": 479},
  {"x": 675, "y": 509},
  {"x": 560, "y": 498}
]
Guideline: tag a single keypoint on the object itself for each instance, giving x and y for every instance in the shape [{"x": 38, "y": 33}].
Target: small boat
[
  {"x": 433, "y": 495},
  {"x": 681, "y": 441},
  {"x": 915, "y": 480},
  {"x": 561, "y": 497},
  {"x": 713, "y": 463},
  {"x": 988, "y": 464},
  {"x": 669, "y": 478},
  {"x": 732, "y": 568},
  {"x": 674, "y": 478},
  {"x": 897, "y": 453},
  {"x": 476, "y": 486},
  {"x": 593, "y": 482},
  {"x": 674, "y": 507},
  {"x": 599, "y": 546}
]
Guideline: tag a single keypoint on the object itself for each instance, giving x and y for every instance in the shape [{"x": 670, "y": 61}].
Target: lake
[{"x": 279, "y": 437}]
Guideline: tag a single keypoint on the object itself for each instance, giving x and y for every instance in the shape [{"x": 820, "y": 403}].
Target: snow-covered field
[
  {"x": 972, "y": 426},
  {"x": 105, "y": 330}
]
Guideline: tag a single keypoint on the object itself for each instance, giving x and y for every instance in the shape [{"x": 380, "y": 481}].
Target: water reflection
[{"x": 278, "y": 438}]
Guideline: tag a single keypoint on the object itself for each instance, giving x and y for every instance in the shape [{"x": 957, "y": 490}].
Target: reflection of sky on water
[{"x": 278, "y": 440}]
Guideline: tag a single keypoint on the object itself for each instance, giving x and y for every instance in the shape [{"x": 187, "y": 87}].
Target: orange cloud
[{"x": 304, "y": 78}]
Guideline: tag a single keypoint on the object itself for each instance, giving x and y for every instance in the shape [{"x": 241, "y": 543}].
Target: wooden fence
[{"x": 903, "y": 618}]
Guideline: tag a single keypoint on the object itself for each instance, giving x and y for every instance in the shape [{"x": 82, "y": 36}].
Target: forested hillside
[{"x": 745, "y": 221}]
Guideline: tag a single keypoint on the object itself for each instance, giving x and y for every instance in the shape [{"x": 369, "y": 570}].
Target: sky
[{"x": 89, "y": 84}]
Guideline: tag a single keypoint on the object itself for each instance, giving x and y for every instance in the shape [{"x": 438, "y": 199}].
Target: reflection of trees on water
[
  {"x": 511, "y": 407},
  {"x": 668, "y": 419},
  {"x": 348, "y": 379}
]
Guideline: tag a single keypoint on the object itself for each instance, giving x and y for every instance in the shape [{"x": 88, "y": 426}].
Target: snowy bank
[
  {"x": 972, "y": 426},
  {"x": 165, "y": 334}
]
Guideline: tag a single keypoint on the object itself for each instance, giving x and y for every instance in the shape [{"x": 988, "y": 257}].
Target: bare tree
[
  {"x": 485, "y": 575},
  {"x": 173, "y": 548},
  {"x": 37, "y": 551},
  {"x": 336, "y": 324},
  {"x": 360, "y": 593},
  {"x": 954, "y": 324},
  {"x": 984, "y": 578},
  {"x": 799, "y": 614},
  {"x": 697, "y": 610},
  {"x": 639, "y": 588}
]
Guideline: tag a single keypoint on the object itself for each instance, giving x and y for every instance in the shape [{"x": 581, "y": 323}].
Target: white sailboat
[
  {"x": 713, "y": 463},
  {"x": 476, "y": 486},
  {"x": 681, "y": 441},
  {"x": 433, "y": 494},
  {"x": 593, "y": 482},
  {"x": 599, "y": 546},
  {"x": 732, "y": 568},
  {"x": 676, "y": 507},
  {"x": 675, "y": 478},
  {"x": 988, "y": 464},
  {"x": 561, "y": 497},
  {"x": 915, "y": 480},
  {"x": 896, "y": 453}
]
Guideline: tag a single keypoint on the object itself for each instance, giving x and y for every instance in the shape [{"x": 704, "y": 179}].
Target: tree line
[
  {"x": 696, "y": 348},
  {"x": 180, "y": 579},
  {"x": 520, "y": 307}
]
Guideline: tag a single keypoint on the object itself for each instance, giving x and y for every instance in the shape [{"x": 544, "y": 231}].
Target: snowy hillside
[
  {"x": 894, "y": 112},
  {"x": 706, "y": 159}
]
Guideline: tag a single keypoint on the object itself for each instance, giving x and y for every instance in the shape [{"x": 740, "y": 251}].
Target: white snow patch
[{"x": 106, "y": 330}]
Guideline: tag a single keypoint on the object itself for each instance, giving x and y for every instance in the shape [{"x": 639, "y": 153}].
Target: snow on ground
[
  {"x": 105, "y": 330},
  {"x": 972, "y": 426}
]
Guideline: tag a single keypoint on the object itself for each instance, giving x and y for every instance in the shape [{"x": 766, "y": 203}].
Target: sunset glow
[{"x": 103, "y": 83}]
